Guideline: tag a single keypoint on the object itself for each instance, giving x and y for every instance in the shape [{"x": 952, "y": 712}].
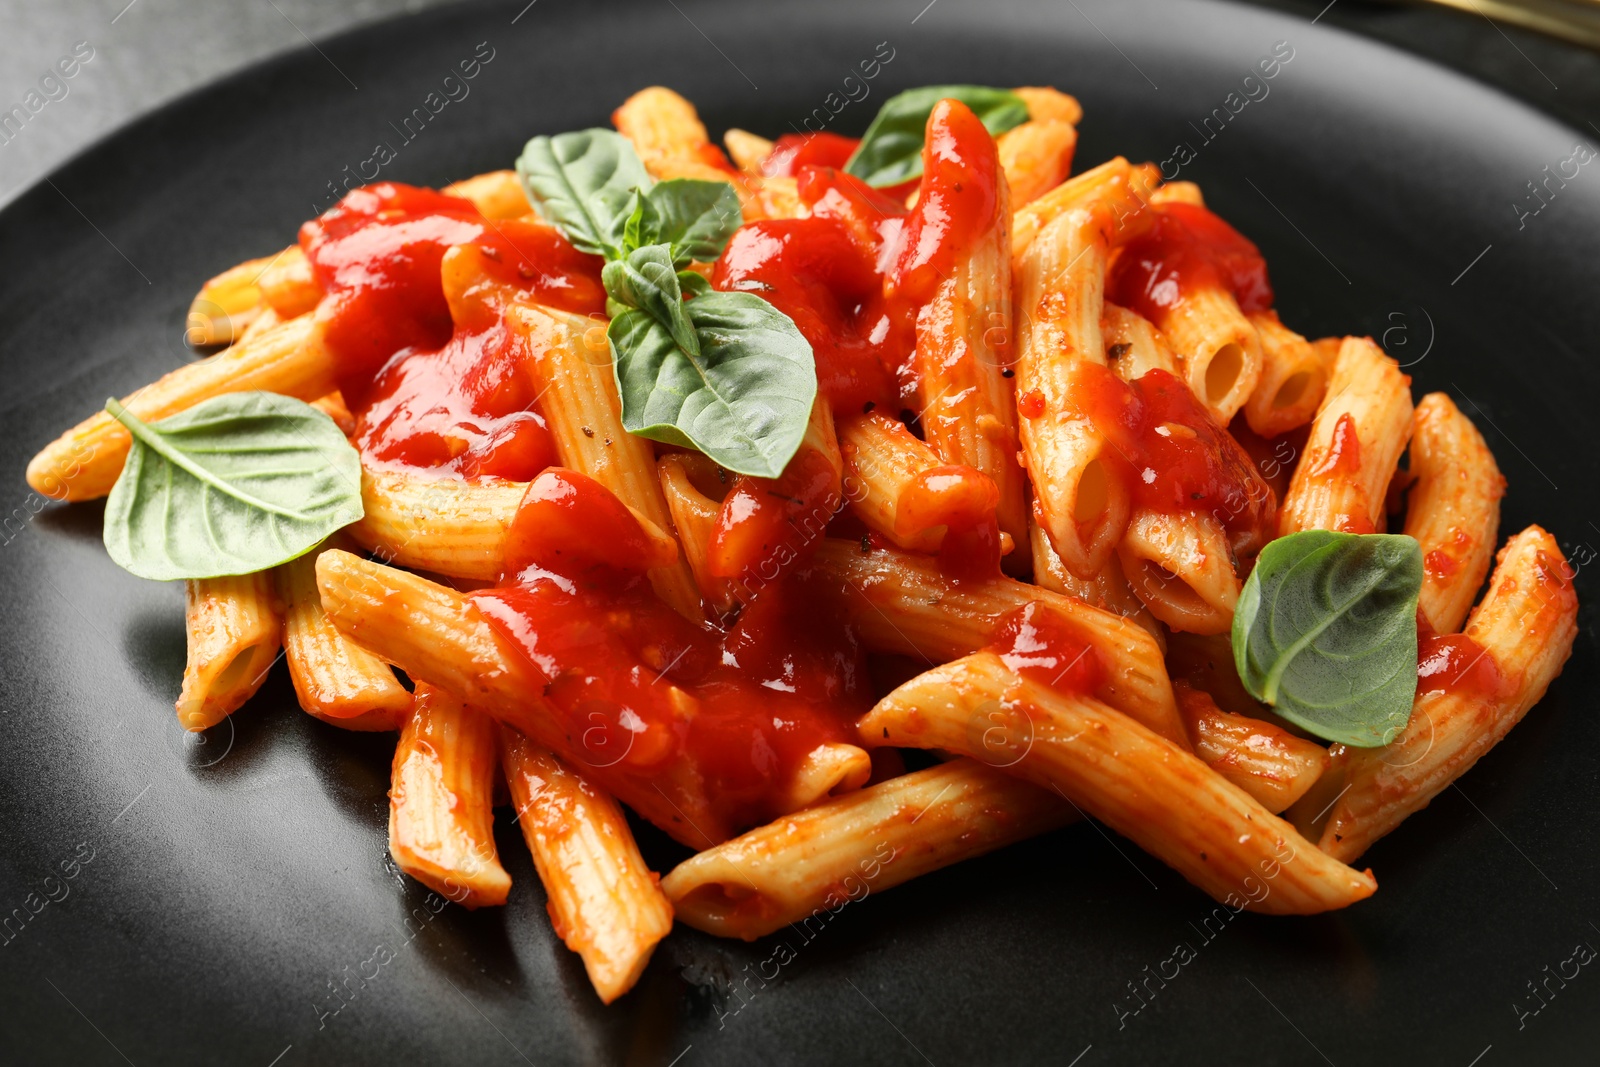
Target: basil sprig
[
  {"x": 1326, "y": 633},
  {"x": 233, "y": 485},
  {"x": 890, "y": 152},
  {"x": 725, "y": 373}
]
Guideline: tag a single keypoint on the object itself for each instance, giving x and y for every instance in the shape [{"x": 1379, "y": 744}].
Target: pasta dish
[{"x": 845, "y": 508}]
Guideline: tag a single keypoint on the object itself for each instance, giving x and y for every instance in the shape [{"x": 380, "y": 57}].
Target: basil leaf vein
[
  {"x": 890, "y": 152},
  {"x": 1325, "y": 633},
  {"x": 742, "y": 395},
  {"x": 694, "y": 217},
  {"x": 236, "y": 484},
  {"x": 582, "y": 182}
]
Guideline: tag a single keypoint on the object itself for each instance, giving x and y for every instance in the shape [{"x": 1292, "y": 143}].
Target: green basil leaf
[
  {"x": 692, "y": 284},
  {"x": 743, "y": 399},
  {"x": 1326, "y": 633},
  {"x": 582, "y": 182},
  {"x": 235, "y": 484},
  {"x": 695, "y": 217},
  {"x": 890, "y": 151},
  {"x": 647, "y": 281}
]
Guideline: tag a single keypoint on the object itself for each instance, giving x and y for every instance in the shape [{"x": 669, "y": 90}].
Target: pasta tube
[
  {"x": 84, "y": 462},
  {"x": 1143, "y": 786},
  {"x": 604, "y": 902},
  {"x": 336, "y": 679},
  {"x": 901, "y": 603},
  {"x": 441, "y": 801},
  {"x": 1269, "y": 763},
  {"x": 804, "y": 868},
  {"x": 1294, "y": 379},
  {"x": 233, "y": 635},
  {"x": 1453, "y": 510},
  {"x": 1355, "y": 442}
]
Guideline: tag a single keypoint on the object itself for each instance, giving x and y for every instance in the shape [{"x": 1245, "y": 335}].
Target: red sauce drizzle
[
  {"x": 1186, "y": 249},
  {"x": 1171, "y": 456},
  {"x": 1344, "y": 451},
  {"x": 1455, "y": 663},
  {"x": 853, "y": 277},
  {"x": 1033, "y": 641},
  {"x": 963, "y": 500},
  {"x": 432, "y": 374},
  {"x": 639, "y": 686},
  {"x": 793, "y": 151}
]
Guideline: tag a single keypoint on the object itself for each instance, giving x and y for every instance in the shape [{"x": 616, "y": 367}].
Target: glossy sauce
[
  {"x": 963, "y": 500},
  {"x": 1033, "y": 641},
  {"x": 854, "y": 277},
  {"x": 638, "y": 686},
  {"x": 793, "y": 151},
  {"x": 1171, "y": 456},
  {"x": 1187, "y": 249},
  {"x": 1455, "y": 663},
  {"x": 423, "y": 359},
  {"x": 1341, "y": 463}
]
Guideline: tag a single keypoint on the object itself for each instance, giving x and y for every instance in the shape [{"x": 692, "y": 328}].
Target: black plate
[{"x": 231, "y": 881}]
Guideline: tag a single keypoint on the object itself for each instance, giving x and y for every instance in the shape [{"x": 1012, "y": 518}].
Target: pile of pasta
[{"x": 1166, "y": 748}]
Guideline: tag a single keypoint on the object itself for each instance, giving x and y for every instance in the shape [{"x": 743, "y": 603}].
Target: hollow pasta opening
[
  {"x": 1222, "y": 373},
  {"x": 1094, "y": 492},
  {"x": 1293, "y": 388}
]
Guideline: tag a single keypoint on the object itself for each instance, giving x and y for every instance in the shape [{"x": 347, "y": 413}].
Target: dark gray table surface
[{"x": 148, "y": 51}]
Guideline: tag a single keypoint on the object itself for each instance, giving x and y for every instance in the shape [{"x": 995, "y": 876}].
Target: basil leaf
[
  {"x": 235, "y": 484},
  {"x": 695, "y": 217},
  {"x": 648, "y": 281},
  {"x": 743, "y": 397},
  {"x": 582, "y": 182},
  {"x": 890, "y": 151},
  {"x": 1326, "y": 633}
]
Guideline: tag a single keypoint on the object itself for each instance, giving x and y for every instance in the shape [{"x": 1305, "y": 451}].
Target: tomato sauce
[
  {"x": 1455, "y": 663},
  {"x": 638, "y": 687},
  {"x": 1171, "y": 456},
  {"x": 963, "y": 500},
  {"x": 1187, "y": 249},
  {"x": 423, "y": 358},
  {"x": 793, "y": 151},
  {"x": 1033, "y": 641},
  {"x": 853, "y": 277}
]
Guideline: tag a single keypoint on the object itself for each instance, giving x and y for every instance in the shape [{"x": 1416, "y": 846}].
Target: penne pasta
[
  {"x": 901, "y": 488},
  {"x": 1356, "y": 439},
  {"x": 226, "y": 306},
  {"x": 901, "y": 603},
  {"x": 1219, "y": 348},
  {"x": 1123, "y": 187},
  {"x": 1060, "y": 288},
  {"x": 288, "y": 285},
  {"x": 1524, "y": 628},
  {"x": 694, "y": 514},
  {"x": 968, "y": 410},
  {"x": 1036, "y": 157},
  {"x": 605, "y": 903},
  {"x": 84, "y": 462},
  {"x": 442, "y": 524},
  {"x": 336, "y": 679},
  {"x": 233, "y": 632},
  {"x": 572, "y": 361},
  {"x": 1134, "y": 347},
  {"x": 1266, "y": 761},
  {"x": 1453, "y": 509},
  {"x": 828, "y": 771},
  {"x": 441, "y": 801},
  {"x": 432, "y": 634},
  {"x": 1179, "y": 564},
  {"x": 747, "y": 150},
  {"x": 804, "y": 868},
  {"x": 1107, "y": 590},
  {"x": 1044, "y": 102},
  {"x": 1143, "y": 786},
  {"x": 1294, "y": 379},
  {"x": 1178, "y": 193},
  {"x": 497, "y": 194}
]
